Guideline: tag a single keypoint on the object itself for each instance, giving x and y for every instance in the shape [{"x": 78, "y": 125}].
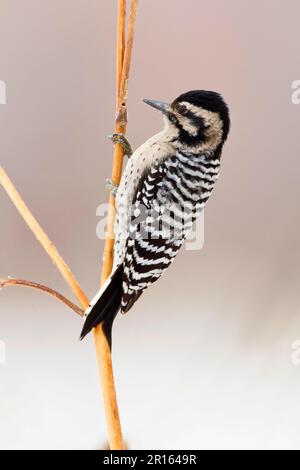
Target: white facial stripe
[
  {"x": 209, "y": 116},
  {"x": 213, "y": 122}
]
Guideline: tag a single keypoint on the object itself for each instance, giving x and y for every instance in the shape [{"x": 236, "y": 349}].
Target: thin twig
[
  {"x": 47, "y": 290},
  {"x": 43, "y": 238},
  {"x": 120, "y": 46},
  {"x": 102, "y": 347},
  {"x": 128, "y": 53}
]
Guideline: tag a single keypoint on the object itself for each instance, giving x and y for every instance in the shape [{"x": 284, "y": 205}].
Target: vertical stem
[
  {"x": 102, "y": 347},
  {"x": 106, "y": 376},
  {"x": 120, "y": 46},
  {"x": 120, "y": 125}
]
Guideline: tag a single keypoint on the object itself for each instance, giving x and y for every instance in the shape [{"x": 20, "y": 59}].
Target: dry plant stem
[
  {"x": 120, "y": 126},
  {"x": 120, "y": 45},
  {"x": 47, "y": 290},
  {"x": 102, "y": 347},
  {"x": 43, "y": 238},
  {"x": 128, "y": 53}
]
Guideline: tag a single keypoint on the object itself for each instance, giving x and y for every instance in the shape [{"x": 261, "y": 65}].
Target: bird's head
[{"x": 196, "y": 120}]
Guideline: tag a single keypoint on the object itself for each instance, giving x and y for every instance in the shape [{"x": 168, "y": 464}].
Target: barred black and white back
[
  {"x": 166, "y": 184},
  {"x": 172, "y": 194}
]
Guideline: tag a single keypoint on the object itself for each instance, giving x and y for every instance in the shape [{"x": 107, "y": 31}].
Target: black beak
[{"x": 160, "y": 105}]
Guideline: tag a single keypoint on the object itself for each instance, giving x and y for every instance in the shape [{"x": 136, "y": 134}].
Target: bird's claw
[
  {"x": 120, "y": 138},
  {"x": 112, "y": 187}
]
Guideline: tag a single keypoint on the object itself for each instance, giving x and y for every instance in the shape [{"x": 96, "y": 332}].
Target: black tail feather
[{"x": 106, "y": 307}]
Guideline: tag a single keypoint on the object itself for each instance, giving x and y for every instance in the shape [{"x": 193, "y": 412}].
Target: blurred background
[{"x": 205, "y": 359}]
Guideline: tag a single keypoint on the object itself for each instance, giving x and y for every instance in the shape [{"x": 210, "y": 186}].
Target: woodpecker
[{"x": 166, "y": 184}]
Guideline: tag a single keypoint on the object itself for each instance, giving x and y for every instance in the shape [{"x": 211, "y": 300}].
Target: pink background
[{"x": 204, "y": 359}]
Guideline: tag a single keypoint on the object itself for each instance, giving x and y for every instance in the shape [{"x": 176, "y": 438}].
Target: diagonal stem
[{"x": 43, "y": 238}]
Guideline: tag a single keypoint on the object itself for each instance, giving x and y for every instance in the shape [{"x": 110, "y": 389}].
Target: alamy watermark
[
  {"x": 295, "y": 355},
  {"x": 2, "y": 353},
  {"x": 295, "y": 97},
  {"x": 2, "y": 92},
  {"x": 170, "y": 222}
]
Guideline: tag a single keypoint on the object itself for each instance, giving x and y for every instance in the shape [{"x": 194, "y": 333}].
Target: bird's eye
[
  {"x": 171, "y": 117},
  {"x": 182, "y": 109}
]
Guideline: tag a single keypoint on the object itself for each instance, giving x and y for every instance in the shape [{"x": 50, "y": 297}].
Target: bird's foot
[
  {"x": 112, "y": 187},
  {"x": 120, "y": 138}
]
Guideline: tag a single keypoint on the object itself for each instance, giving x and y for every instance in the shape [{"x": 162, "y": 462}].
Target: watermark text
[{"x": 2, "y": 92}]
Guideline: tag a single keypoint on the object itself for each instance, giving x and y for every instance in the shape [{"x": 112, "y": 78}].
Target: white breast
[{"x": 153, "y": 150}]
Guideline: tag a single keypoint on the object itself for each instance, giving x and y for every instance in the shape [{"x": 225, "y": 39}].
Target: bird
[{"x": 166, "y": 183}]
